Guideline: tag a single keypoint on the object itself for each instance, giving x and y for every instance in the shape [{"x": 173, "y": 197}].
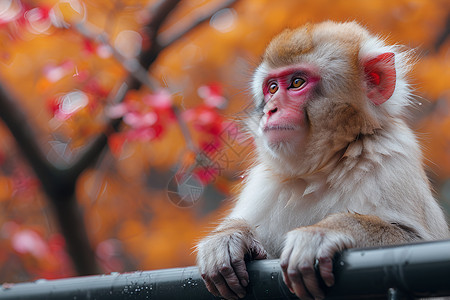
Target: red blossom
[
  {"x": 145, "y": 134},
  {"x": 43, "y": 257},
  {"x": 12, "y": 13},
  {"x": 140, "y": 120},
  {"x": 55, "y": 72},
  {"x": 64, "y": 106},
  {"x": 52, "y": 105},
  {"x": 147, "y": 119},
  {"x": 109, "y": 253},
  {"x": 206, "y": 174},
  {"x": 162, "y": 99},
  {"x": 26, "y": 241},
  {"x": 38, "y": 20},
  {"x": 88, "y": 46},
  {"x": 212, "y": 95},
  {"x": 37, "y": 14},
  {"x": 94, "y": 88},
  {"x": 211, "y": 146},
  {"x": 206, "y": 119},
  {"x": 23, "y": 183},
  {"x": 116, "y": 142},
  {"x": 117, "y": 111}
]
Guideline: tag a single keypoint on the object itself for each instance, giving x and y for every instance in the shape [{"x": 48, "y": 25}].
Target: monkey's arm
[
  {"x": 221, "y": 258},
  {"x": 313, "y": 247}
]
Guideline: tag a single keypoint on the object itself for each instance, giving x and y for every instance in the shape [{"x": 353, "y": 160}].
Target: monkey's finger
[
  {"x": 232, "y": 281},
  {"x": 241, "y": 271},
  {"x": 222, "y": 287},
  {"x": 210, "y": 286},
  {"x": 298, "y": 286},
  {"x": 284, "y": 264},
  {"x": 287, "y": 281},
  {"x": 310, "y": 281},
  {"x": 257, "y": 251},
  {"x": 236, "y": 274},
  {"x": 326, "y": 270}
]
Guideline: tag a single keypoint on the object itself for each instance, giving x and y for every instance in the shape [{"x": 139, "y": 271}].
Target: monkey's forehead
[{"x": 290, "y": 45}]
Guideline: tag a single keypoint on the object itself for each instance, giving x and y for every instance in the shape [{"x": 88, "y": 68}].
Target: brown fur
[
  {"x": 286, "y": 47},
  {"x": 333, "y": 124},
  {"x": 368, "y": 230},
  {"x": 229, "y": 227},
  {"x": 351, "y": 177}
]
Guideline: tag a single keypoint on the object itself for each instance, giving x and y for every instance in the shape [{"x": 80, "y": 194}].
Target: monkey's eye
[
  {"x": 273, "y": 87},
  {"x": 296, "y": 83}
]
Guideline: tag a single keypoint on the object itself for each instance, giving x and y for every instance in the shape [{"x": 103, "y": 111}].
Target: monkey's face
[
  {"x": 317, "y": 89},
  {"x": 306, "y": 109},
  {"x": 297, "y": 89},
  {"x": 286, "y": 91}
]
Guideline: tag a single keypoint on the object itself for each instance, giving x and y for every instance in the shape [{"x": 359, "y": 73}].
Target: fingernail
[
  {"x": 329, "y": 282},
  {"x": 244, "y": 283}
]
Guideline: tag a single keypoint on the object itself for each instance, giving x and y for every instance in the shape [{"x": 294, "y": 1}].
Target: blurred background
[{"x": 120, "y": 135}]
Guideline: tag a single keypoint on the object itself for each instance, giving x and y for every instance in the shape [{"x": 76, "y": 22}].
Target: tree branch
[
  {"x": 444, "y": 35},
  {"x": 59, "y": 182},
  {"x": 165, "y": 40},
  {"x": 24, "y": 134},
  {"x": 160, "y": 12},
  {"x": 159, "y": 15},
  {"x": 59, "y": 187}
]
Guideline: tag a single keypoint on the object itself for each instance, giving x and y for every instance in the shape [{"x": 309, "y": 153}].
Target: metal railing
[{"x": 402, "y": 272}]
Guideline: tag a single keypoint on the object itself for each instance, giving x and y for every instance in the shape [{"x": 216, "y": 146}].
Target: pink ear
[{"x": 380, "y": 77}]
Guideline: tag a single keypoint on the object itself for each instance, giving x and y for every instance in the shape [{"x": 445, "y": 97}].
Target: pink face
[{"x": 286, "y": 90}]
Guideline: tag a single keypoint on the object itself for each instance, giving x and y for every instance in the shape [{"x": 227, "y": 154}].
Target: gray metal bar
[{"x": 419, "y": 270}]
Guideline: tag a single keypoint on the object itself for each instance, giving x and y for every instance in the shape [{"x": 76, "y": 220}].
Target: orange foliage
[{"x": 132, "y": 221}]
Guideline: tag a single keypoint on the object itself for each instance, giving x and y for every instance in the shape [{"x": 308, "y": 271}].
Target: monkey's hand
[
  {"x": 221, "y": 259},
  {"x": 308, "y": 255}
]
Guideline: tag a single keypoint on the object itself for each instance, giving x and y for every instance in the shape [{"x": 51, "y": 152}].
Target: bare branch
[
  {"x": 166, "y": 39},
  {"x": 132, "y": 65},
  {"x": 93, "y": 150},
  {"x": 138, "y": 75},
  {"x": 65, "y": 177},
  {"x": 159, "y": 14},
  {"x": 59, "y": 182},
  {"x": 17, "y": 121},
  {"x": 59, "y": 187},
  {"x": 444, "y": 35}
]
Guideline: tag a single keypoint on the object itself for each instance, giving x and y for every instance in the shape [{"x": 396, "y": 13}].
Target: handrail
[{"x": 403, "y": 272}]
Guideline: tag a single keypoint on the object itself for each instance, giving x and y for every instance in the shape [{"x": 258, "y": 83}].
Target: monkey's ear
[{"x": 380, "y": 77}]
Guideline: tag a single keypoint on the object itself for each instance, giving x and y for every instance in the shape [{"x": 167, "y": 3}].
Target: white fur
[
  {"x": 388, "y": 182},
  {"x": 378, "y": 172},
  {"x": 382, "y": 174}
]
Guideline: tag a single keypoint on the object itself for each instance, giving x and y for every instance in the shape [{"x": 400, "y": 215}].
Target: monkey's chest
[{"x": 287, "y": 212}]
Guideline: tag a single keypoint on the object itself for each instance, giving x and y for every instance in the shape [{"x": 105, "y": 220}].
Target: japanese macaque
[{"x": 336, "y": 166}]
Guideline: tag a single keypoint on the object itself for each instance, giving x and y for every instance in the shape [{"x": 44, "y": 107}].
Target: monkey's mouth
[
  {"x": 275, "y": 134},
  {"x": 279, "y": 128}
]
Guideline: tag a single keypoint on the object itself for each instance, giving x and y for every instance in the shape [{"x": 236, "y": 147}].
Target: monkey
[{"x": 336, "y": 166}]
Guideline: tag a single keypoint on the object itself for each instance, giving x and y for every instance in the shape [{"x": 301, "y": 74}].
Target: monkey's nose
[{"x": 272, "y": 111}]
